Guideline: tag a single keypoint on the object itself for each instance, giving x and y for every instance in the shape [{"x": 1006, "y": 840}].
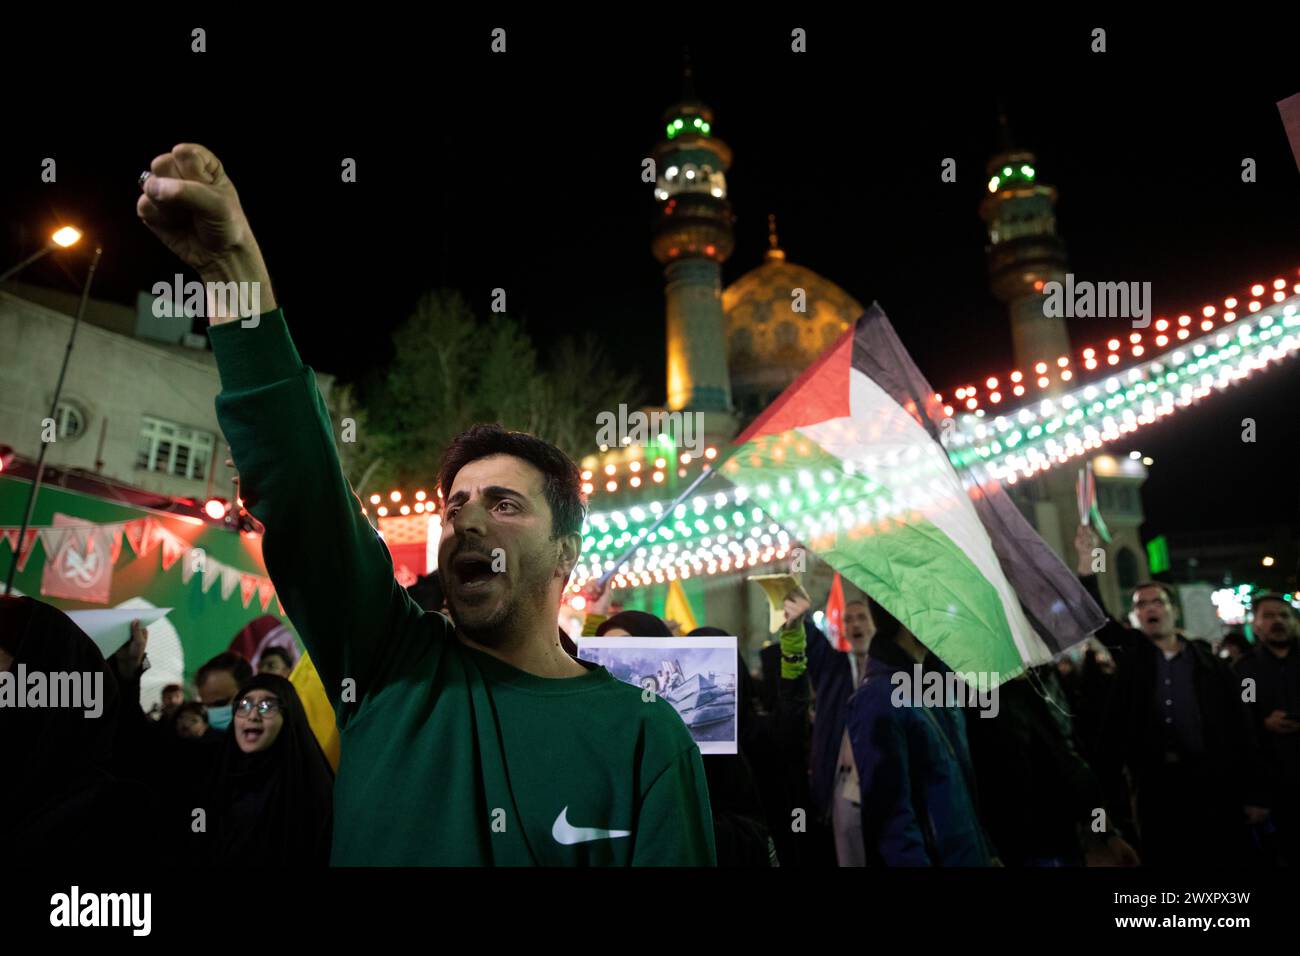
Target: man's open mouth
[{"x": 473, "y": 571}]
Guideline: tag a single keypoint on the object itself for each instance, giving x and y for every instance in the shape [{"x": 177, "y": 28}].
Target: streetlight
[{"x": 62, "y": 239}]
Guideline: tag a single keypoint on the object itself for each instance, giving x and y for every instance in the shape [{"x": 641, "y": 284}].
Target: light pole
[
  {"x": 62, "y": 239},
  {"x": 69, "y": 236}
]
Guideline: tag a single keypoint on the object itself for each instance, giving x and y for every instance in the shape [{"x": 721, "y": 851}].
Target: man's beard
[
  {"x": 1278, "y": 638},
  {"x": 506, "y": 620}
]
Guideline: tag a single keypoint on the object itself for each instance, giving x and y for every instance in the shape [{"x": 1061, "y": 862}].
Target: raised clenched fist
[{"x": 190, "y": 203}]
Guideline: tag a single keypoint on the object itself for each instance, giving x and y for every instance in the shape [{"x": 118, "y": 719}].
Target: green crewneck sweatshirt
[{"x": 449, "y": 755}]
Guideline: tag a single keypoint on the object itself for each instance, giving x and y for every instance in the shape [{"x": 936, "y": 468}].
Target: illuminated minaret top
[
  {"x": 692, "y": 238},
  {"x": 1024, "y": 251}
]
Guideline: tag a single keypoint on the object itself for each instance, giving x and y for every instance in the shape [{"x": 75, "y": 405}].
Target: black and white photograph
[{"x": 697, "y": 675}]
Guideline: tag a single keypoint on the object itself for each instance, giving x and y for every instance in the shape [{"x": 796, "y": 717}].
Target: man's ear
[{"x": 570, "y": 551}]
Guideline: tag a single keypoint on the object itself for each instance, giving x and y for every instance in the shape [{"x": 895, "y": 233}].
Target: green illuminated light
[{"x": 1006, "y": 171}]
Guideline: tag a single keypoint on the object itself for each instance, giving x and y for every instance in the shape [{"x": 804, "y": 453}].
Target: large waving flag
[{"x": 849, "y": 460}]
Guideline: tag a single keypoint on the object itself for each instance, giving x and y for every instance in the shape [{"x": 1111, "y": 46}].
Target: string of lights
[{"x": 737, "y": 527}]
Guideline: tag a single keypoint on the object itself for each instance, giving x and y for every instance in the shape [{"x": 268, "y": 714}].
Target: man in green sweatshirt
[{"x": 475, "y": 743}]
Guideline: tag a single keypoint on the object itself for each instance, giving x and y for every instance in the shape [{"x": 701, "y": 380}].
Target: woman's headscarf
[
  {"x": 56, "y": 790},
  {"x": 274, "y": 807},
  {"x": 636, "y": 623}
]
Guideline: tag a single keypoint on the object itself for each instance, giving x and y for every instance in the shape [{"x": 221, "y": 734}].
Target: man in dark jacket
[
  {"x": 914, "y": 766},
  {"x": 1178, "y": 724},
  {"x": 835, "y": 675},
  {"x": 1274, "y": 667}
]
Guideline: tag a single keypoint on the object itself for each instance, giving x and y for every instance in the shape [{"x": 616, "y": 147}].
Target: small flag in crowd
[
  {"x": 835, "y": 615},
  {"x": 1089, "y": 513},
  {"x": 678, "y": 608}
]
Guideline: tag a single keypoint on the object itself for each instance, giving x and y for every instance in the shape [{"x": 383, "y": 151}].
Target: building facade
[{"x": 137, "y": 404}]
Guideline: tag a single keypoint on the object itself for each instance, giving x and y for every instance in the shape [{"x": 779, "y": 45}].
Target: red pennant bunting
[
  {"x": 135, "y": 535},
  {"x": 265, "y": 591},
  {"x": 114, "y": 542},
  {"x": 172, "y": 548},
  {"x": 247, "y": 587},
  {"x": 27, "y": 548}
]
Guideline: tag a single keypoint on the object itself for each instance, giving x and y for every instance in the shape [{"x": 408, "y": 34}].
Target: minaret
[
  {"x": 692, "y": 238},
  {"x": 1024, "y": 251}
]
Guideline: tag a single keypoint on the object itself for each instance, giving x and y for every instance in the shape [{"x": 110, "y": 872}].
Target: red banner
[{"x": 80, "y": 567}]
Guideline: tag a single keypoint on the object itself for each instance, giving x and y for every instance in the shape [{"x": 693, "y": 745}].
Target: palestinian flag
[
  {"x": 849, "y": 461},
  {"x": 1089, "y": 513}
]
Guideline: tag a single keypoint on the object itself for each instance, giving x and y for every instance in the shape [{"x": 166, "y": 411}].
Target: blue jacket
[
  {"x": 914, "y": 768},
  {"x": 832, "y": 684}
]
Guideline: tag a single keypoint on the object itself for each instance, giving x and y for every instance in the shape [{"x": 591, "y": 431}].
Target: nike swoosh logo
[{"x": 567, "y": 834}]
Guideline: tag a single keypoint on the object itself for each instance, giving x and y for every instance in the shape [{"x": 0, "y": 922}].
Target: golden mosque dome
[{"x": 768, "y": 342}]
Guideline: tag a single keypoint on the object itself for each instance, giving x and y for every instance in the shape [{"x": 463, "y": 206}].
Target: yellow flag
[
  {"x": 320, "y": 715},
  {"x": 678, "y": 609}
]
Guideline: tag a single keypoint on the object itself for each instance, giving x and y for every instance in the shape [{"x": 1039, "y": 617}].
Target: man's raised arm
[{"x": 332, "y": 572}]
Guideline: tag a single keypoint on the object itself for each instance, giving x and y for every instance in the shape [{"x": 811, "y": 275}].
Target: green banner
[{"x": 199, "y": 626}]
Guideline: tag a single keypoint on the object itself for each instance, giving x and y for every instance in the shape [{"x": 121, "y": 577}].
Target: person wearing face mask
[
  {"x": 1178, "y": 725},
  {"x": 218, "y": 681},
  {"x": 271, "y": 800},
  {"x": 1274, "y": 666}
]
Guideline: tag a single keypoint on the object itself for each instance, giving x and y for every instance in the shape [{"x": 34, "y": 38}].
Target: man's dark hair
[
  {"x": 225, "y": 661},
  {"x": 1238, "y": 640},
  {"x": 562, "y": 478},
  {"x": 888, "y": 627},
  {"x": 1257, "y": 599},
  {"x": 170, "y": 688},
  {"x": 279, "y": 652},
  {"x": 191, "y": 707},
  {"x": 1168, "y": 591}
]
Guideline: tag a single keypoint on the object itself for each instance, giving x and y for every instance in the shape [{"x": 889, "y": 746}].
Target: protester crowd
[
  {"x": 1144, "y": 747},
  {"x": 1149, "y": 748}
]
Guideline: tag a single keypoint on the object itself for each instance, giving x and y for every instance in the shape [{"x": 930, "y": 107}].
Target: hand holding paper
[
  {"x": 778, "y": 587},
  {"x": 111, "y": 628}
]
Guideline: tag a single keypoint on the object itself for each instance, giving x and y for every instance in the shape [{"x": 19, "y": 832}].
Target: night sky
[{"x": 523, "y": 171}]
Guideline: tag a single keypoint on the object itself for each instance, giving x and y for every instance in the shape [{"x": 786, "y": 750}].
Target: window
[
  {"x": 71, "y": 420},
  {"x": 174, "y": 449}
]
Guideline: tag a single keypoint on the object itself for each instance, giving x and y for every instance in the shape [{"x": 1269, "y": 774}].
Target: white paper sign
[{"x": 111, "y": 628}]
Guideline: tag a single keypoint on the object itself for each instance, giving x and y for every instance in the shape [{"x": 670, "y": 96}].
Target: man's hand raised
[{"x": 192, "y": 206}]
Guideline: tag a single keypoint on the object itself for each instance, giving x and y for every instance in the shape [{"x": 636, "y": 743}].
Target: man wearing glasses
[{"x": 1178, "y": 725}]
